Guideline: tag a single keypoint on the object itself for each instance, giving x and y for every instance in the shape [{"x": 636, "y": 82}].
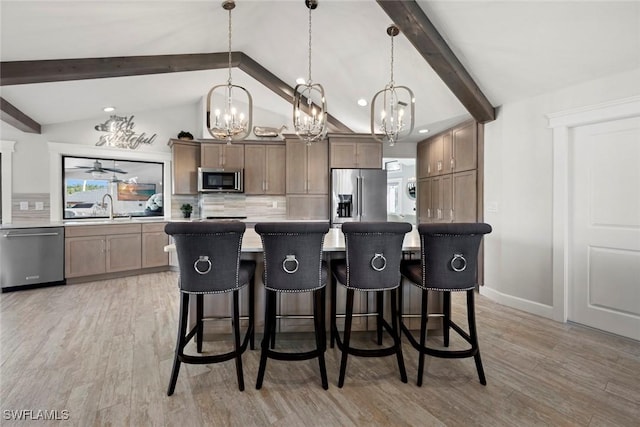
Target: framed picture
[{"x": 135, "y": 192}]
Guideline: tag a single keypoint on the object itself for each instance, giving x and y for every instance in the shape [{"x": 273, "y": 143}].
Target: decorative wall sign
[{"x": 120, "y": 133}]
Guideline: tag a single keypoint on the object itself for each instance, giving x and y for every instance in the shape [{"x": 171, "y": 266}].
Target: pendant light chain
[
  {"x": 309, "y": 81},
  {"x": 229, "y": 80},
  {"x": 391, "y": 82}
]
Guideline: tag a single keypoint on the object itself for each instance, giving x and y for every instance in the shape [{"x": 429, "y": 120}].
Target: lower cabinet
[
  {"x": 93, "y": 250},
  {"x": 154, "y": 239}
]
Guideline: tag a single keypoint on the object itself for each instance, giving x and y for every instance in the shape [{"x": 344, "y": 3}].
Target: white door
[{"x": 604, "y": 283}]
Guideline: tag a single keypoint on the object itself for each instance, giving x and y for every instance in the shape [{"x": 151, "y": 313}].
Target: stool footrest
[
  {"x": 279, "y": 355},
  {"x": 446, "y": 354}
]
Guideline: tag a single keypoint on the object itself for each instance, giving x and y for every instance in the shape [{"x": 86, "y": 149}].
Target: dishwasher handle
[{"x": 31, "y": 234}]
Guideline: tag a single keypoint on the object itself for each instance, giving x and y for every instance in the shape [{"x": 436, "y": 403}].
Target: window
[{"x": 91, "y": 185}]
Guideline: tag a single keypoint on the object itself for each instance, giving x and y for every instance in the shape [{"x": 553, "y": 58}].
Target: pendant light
[
  {"x": 309, "y": 103},
  {"x": 232, "y": 105},
  {"x": 392, "y": 108}
]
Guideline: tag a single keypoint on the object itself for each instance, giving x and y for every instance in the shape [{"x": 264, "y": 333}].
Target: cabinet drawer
[{"x": 97, "y": 230}]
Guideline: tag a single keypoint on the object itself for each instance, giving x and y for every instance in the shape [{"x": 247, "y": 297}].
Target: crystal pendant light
[
  {"x": 309, "y": 103},
  {"x": 229, "y": 103},
  {"x": 392, "y": 108}
]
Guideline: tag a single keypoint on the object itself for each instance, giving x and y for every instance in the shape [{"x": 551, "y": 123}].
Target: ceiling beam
[
  {"x": 16, "y": 118},
  {"x": 46, "y": 71},
  {"x": 419, "y": 30}
]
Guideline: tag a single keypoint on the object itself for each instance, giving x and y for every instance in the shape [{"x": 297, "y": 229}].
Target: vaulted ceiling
[{"x": 504, "y": 51}]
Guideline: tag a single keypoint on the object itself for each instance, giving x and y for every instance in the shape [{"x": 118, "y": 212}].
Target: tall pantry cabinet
[{"x": 447, "y": 175}]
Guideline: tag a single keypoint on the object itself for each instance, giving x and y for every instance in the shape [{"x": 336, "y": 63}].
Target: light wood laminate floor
[{"x": 103, "y": 352}]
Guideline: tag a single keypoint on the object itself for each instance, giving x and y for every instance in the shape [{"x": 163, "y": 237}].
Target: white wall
[{"x": 519, "y": 182}]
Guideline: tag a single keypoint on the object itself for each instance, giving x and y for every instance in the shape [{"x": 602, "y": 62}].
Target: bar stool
[
  {"x": 448, "y": 263},
  {"x": 293, "y": 263},
  {"x": 374, "y": 251},
  {"x": 209, "y": 262}
]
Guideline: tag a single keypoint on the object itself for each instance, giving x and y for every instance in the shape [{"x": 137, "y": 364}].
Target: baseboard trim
[{"x": 532, "y": 307}]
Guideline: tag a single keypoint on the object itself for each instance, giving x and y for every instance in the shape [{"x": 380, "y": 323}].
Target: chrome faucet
[{"x": 110, "y": 204}]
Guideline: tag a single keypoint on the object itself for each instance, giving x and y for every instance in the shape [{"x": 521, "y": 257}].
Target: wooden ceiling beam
[
  {"x": 416, "y": 26},
  {"x": 46, "y": 71},
  {"x": 16, "y": 118}
]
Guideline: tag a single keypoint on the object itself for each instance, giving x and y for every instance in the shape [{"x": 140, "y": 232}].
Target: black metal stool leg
[
  {"x": 252, "y": 312},
  {"x": 236, "y": 336},
  {"x": 446, "y": 319},
  {"x": 347, "y": 337},
  {"x": 473, "y": 334},
  {"x": 380, "y": 314},
  {"x": 396, "y": 335},
  {"x": 269, "y": 317},
  {"x": 423, "y": 335},
  {"x": 321, "y": 344},
  {"x": 182, "y": 332},
  {"x": 332, "y": 316},
  {"x": 200, "y": 324}
]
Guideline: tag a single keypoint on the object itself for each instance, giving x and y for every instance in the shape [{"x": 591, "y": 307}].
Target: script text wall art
[{"x": 120, "y": 133}]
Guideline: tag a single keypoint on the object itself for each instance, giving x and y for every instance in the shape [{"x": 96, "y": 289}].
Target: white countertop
[{"x": 333, "y": 241}]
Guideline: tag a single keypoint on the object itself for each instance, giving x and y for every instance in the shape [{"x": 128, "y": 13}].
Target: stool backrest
[
  {"x": 292, "y": 255},
  {"x": 374, "y": 251},
  {"x": 449, "y": 254},
  {"x": 208, "y": 254}
]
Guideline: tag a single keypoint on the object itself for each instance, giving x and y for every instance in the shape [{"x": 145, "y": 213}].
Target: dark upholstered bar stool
[
  {"x": 374, "y": 251},
  {"x": 293, "y": 263},
  {"x": 209, "y": 262},
  {"x": 449, "y": 260}
]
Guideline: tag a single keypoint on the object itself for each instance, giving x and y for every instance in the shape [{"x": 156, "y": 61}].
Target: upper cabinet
[
  {"x": 222, "y": 156},
  {"x": 264, "y": 169},
  {"x": 455, "y": 150},
  {"x": 464, "y": 147},
  {"x": 354, "y": 151},
  {"x": 307, "y": 167},
  {"x": 186, "y": 159}
]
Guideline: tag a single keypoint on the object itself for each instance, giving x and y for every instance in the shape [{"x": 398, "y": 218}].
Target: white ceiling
[{"x": 513, "y": 50}]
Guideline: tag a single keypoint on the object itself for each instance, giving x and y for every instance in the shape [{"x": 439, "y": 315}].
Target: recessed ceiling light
[
  {"x": 108, "y": 109},
  {"x": 362, "y": 102},
  {"x": 423, "y": 131},
  {"x": 300, "y": 81}
]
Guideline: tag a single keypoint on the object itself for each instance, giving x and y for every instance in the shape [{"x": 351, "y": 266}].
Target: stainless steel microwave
[{"x": 211, "y": 180}]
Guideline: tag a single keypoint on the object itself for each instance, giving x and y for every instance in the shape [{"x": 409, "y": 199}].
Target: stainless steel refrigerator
[{"x": 358, "y": 195}]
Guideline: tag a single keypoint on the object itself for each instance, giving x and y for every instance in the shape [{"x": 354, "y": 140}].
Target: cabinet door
[
  {"x": 254, "y": 169},
  {"x": 465, "y": 197},
  {"x": 447, "y": 153},
  {"x": 318, "y": 168},
  {"x": 296, "y": 304},
  {"x": 211, "y": 155},
  {"x": 465, "y": 147},
  {"x": 369, "y": 155},
  {"x": 233, "y": 156},
  {"x": 124, "y": 252},
  {"x": 424, "y": 201},
  {"x": 84, "y": 256},
  {"x": 275, "y": 169},
  {"x": 435, "y": 156},
  {"x": 296, "y": 169},
  {"x": 308, "y": 207},
  {"x": 186, "y": 159},
  {"x": 343, "y": 155},
  {"x": 422, "y": 159},
  {"x": 358, "y": 323},
  {"x": 446, "y": 198},
  {"x": 153, "y": 254}
]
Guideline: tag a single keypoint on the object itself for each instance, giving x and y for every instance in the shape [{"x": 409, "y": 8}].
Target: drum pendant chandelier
[
  {"x": 392, "y": 108},
  {"x": 309, "y": 103},
  {"x": 228, "y": 103}
]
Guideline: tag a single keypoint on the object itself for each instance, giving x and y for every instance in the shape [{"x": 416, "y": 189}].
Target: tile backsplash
[
  {"x": 33, "y": 202},
  {"x": 230, "y": 205}
]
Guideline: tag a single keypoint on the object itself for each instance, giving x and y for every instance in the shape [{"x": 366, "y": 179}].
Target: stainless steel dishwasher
[{"x": 31, "y": 257}]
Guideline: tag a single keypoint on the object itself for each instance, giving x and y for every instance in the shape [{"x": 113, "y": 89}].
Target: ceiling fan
[{"x": 97, "y": 169}]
